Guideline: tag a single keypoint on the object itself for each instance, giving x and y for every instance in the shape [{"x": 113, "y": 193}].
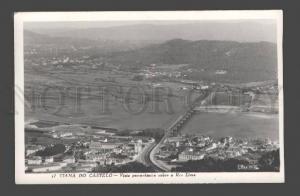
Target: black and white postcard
[{"x": 144, "y": 97}]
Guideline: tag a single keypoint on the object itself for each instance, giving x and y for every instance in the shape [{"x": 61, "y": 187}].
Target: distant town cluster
[
  {"x": 217, "y": 109},
  {"x": 81, "y": 151},
  {"x": 175, "y": 152}
]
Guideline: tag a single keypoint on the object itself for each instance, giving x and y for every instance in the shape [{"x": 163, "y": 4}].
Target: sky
[
  {"x": 105, "y": 24},
  {"x": 233, "y": 30}
]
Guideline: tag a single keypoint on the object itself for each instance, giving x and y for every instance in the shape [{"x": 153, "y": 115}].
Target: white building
[
  {"x": 221, "y": 71},
  {"x": 61, "y": 134},
  {"x": 138, "y": 146},
  {"x": 117, "y": 150},
  {"x": 69, "y": 159},
  {"x": 204, "y": 87},
  {"x": 66, "y": 134},
  {"x": 36, "y": 160},
  {"x": 33, "y": 149},
  {"x": 49, "y": 159},
  {"x": 189, "y": 155},
  {"x": 49, "y": 168}
]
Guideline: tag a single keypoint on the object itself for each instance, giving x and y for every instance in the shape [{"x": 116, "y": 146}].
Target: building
[
  {"x": 69, "y": 159},
  {"x": 95, "y": 145},
  {"x": 87, "y": 163},
  {"x": 174, "y": 139},
  {"x": 165, "y": 154},
  {"x": 95, "y": 157},
  {"x": 36, "y": 160},
  {"x": 122, "y": 161},
  {"x": 204, "y": 87},
  {"x": 81, "y": 168},
  {"x": 189, "y": 155},
  {"x": 227, "y": 140},
  {"x": 138, "y": 146},
  {"x": 61, "y": 134},
  {"x": 33, "y": 149},
  {"x": 110, "y": 161},
  {"x": 66, "y": 134},
  {"x": 49, "y": 159},
  {"x": 220, "y": 71},
  {"x": 104, "y": 146},
  {"x": 117, "y": 150},
  {"x": 49, "y": 168},
  {"x": 211, "y": 147}
]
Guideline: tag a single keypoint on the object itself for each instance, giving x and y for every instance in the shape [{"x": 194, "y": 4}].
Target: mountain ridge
[
  {"x": 243, "y": 61},
  {"x": 234, "y": 31},
  {"x": 255, "y": 61}
]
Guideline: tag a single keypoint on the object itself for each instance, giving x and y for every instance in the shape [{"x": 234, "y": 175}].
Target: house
[
  {"x": 33, "y": 149},
  {"x": 174, "y": 139},
  {"x": 35, "y": 160},
  {"x": 117, "y": 150},
  {"x": 69, "y": 159},
  {"x": 90, "y": 156},
  {"x": 61, "y": 134},
  {"x": 103, "y": 146},
  {"x": 49, "y": 159},
  {"x": 204, "y": 87},
  {"x": 221, "y": 72},
  {"x": 211, "y": 146},
  {"x": 66, "y": 134},
  {"x": 49, "y": 168},
  {"x": 190, "y": 155},
  {"x": 138, "y": 146},
  {"x": 87, "y": 163}
]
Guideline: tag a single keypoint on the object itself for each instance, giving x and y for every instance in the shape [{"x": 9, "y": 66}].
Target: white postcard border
[{"x": 85, "y": 178}]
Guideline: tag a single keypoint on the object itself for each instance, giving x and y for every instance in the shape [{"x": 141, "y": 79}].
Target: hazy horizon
[
  {"x": 108, "y": 24},
  {"x": 231, "y": 30}
]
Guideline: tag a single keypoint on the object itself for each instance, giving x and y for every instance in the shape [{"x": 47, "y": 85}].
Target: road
[
  {"x": 149, "y": 153},
  {"x": 144, "y": 157}
]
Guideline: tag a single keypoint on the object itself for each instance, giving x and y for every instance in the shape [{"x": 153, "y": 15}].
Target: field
[{"x": 90, "y": 110}]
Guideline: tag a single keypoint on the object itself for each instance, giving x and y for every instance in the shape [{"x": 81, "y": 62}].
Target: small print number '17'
[{"x": 53, "y": 175}]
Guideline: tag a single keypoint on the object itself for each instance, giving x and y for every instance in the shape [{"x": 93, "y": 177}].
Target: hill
[
  {"x": 243, "y": 61},
  {"x": 242, "y": 31},
  {"x": 38, "y": 38},
  {"x": 247, "y": 62},
  {"x": 68, "y": 41}
]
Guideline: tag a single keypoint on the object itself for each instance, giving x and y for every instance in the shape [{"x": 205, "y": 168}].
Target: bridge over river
[{"x": 173, "y": 129}]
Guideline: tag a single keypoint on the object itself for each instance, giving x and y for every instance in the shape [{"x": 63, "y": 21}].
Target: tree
[
  {"x": 34, "y": 140},
  {"x": 138, "y": 78},
  {"x": 270, "y": 161},
  {"x": 129, "y": 168},
  {"x": 50, "y": 151},
  {"x": 210, "y": 165}
]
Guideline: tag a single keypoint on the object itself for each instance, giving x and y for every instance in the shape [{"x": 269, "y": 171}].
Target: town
[
  {"x": 79, "y": 151},
  {"x": 210, "y": 110},
  {"x": 176, "y": 151}
]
